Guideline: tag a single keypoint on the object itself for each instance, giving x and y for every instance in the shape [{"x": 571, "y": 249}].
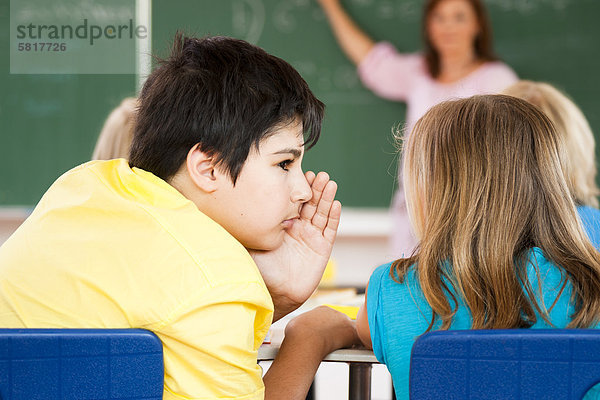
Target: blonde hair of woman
[
  {"x": 580, "y": 166},
  {"x": 485, "y": 184},
  {"x": 116, "y": 135}
]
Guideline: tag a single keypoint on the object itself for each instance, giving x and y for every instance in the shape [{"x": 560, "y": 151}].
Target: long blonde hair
[
  {"x": 580, "y": 168},
  {"x": 484, "y": 185}
]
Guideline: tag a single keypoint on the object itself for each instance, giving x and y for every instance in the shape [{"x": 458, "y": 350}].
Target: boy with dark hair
[{"x": 209, "y": 233}]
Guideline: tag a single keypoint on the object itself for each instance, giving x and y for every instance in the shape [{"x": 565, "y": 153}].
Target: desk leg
[{"x": 360, "y": 381}]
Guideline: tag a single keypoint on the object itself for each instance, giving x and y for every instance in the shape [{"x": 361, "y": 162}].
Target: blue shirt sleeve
[{"x": 590, "y": 218}]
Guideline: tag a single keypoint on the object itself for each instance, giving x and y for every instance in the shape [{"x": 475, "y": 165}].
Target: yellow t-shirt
[{"x": 113, "y": 247}]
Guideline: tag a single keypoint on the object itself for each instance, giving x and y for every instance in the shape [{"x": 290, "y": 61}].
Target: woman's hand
[{"x": 353, "y": 41}]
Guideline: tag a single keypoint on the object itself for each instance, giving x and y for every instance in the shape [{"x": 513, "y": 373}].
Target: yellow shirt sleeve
[{"x": 210, "y": 349}]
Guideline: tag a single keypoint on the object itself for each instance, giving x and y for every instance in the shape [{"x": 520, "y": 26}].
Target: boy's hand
[
  {"x": 308, "y": 338},
  {"x": 293, "y": 271},
  {"x": 333, "y": 329}
]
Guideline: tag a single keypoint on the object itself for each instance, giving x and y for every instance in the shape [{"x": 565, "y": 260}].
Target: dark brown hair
[
  {"x": 221, "y": 93},
  {"x": 484, "y": 49}
]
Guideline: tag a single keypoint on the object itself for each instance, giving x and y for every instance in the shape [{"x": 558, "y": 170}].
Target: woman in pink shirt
[{"x": 457, "y": 61}]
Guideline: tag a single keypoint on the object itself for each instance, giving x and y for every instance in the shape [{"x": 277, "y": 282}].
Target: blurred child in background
[
  {"x": 117, "y": 133},
  {"x": 580, "y": 163}
]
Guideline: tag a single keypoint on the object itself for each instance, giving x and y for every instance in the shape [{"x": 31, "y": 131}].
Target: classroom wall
[{"x": 49, "y": 123}]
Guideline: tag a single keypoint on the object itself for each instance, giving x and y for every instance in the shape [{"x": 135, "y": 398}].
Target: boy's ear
[{"x": 201, "y": 169}]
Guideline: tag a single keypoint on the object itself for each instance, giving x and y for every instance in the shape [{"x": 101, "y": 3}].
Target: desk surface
[
  {"x": 267, "y": 352},
  {"x": 347, "y": 296}
]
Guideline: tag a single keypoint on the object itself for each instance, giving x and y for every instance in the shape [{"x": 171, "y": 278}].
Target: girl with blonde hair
[
  {"x": 500, "y": 243},
  {"x": 580, "y": 166},
  {"x": 115, "y": 138}
]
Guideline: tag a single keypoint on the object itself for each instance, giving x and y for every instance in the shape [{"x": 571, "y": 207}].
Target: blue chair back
[
  {"x": 505, "y": 364},
  {"x": 63, "y": 364}
]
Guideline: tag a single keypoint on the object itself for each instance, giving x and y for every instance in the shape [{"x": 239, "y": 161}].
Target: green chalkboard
[
  {"x": 550, "y": 40},
  {"x": 49, "y": 123}
]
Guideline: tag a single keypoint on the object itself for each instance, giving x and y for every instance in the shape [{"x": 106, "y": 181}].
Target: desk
[{"x": 360, "y": 362}]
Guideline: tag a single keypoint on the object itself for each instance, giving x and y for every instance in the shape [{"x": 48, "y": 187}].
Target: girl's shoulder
[
  {"x": 382, "y": 270},
  {"x": 379, "y": 278},
  {"x": 386, "y": 273},
  {"x": 386, "y": 279}
]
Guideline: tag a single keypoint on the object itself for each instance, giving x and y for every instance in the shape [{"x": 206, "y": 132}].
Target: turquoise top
[
  {"x": 398, "y": 314},
  {"x": 590, "y": 218}
]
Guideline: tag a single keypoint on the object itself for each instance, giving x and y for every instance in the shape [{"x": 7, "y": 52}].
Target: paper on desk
[{"x": 350, "y": 311}]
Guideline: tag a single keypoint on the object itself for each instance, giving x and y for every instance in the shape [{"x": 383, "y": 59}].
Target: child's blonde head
[
  {"x": 580, "y": 166},
  {"x": 484, "y": 184},
  {"x": 115, "y": 138}
]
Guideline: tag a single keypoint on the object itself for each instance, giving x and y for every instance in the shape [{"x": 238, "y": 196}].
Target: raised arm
[{"x": 353, "y": 41}]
